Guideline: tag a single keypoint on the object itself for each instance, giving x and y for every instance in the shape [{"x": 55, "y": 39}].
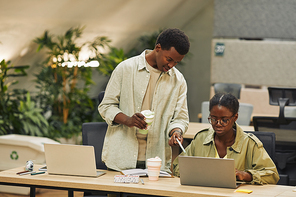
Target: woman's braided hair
[{"x": 226, "y": 100}]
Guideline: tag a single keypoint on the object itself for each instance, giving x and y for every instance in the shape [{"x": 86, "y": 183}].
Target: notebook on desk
[
  {"x": 207, "y": 171},
  {"x": 65, "y": 159}
]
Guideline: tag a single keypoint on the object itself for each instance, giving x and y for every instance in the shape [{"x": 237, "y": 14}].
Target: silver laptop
[
  {"x": 65, "y": 159},
  {"x": 207, "y": 171}
]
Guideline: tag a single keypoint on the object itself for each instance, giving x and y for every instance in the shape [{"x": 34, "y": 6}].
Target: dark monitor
[{"x": 282, "y": 97}]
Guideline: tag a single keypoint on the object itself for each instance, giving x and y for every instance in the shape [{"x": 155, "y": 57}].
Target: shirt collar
[
  {"x": 142, "y": 63},
  {"x": 210, "y": 137},
  {"x": 237, "y": 146}
]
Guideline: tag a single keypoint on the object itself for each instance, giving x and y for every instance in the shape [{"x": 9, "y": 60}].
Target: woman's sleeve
[{"x": 263, "y": 169}]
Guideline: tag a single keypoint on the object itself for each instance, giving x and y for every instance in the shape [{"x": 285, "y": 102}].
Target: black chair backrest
[
  {"x": 232, "y": 88},
  {"x": 285, "y": 139},
  {"x": 282, "y": 97},
  {"x": 93, "y": 133},
  {"x": 285, "y": 132},
  {"x": 268, "y": 141},
  {"x": 101, "y": 96}
]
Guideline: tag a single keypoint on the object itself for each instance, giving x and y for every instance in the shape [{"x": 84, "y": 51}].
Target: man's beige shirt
[
  {"x": 146, "y": 105},
  {"x": 124, "y": 93}
]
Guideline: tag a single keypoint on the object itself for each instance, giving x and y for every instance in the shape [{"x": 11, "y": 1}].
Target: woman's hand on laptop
[{"x": 243, "y": 176}]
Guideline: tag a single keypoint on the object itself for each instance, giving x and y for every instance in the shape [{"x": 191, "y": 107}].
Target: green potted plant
[
  {"x": 18, "y": 115},
  {"x": 64, "y": 100}
]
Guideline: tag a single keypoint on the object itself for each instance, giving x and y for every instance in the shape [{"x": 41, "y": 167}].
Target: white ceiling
[{"x": 123, "y": 21}]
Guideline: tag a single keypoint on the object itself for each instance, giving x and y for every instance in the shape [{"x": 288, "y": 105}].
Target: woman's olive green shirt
[{"x": 247, "y": 151}]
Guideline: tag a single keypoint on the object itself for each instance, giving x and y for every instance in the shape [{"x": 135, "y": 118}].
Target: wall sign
[{"x": 219, "y": 49}]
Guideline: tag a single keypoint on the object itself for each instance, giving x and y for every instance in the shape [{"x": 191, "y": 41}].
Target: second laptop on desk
[
  {"x": 65, "y": 159},
  {"x": 207, "y": 171}
]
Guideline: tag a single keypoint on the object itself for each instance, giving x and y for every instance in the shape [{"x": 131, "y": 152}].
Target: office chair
[
  {"x": 290, "y": 112},
  {"x": 205, "y": 112},
  {"x": 285, "y": 132},
  {"x": 268, "y": 141},
  {"x": 93, "y": 133},
  {"x": 282, "y": 97},
  {"x": 244, "y": 113},
  {"x": 232, "y": 88},
  {"x": 101, "y": 96},
  {"x": 285, "y": 142}
]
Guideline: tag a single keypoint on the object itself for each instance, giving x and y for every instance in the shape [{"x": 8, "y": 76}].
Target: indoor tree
[
  {"x": 18, "y": 115},
  {"x": 65, "y": 101}
]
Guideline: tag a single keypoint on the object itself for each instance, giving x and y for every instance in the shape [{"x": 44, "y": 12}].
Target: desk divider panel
[{"x": 266, "y": 62}]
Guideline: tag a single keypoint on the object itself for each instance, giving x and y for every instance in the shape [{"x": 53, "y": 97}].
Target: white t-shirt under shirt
[{"x": 146, "y": 105}]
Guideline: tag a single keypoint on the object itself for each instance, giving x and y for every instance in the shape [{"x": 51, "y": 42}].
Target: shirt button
[{"x": 231, "y": 149}]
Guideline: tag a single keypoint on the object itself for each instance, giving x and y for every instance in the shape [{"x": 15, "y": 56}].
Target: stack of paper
[{"x": 143, "y": 172}]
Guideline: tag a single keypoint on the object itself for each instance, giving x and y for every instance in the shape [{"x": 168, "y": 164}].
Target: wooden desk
[
  {"x": 162, "y": 187},
  {"x": 194, "y": 127}
]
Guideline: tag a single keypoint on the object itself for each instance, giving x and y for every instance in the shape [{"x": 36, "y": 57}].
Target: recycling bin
[{"x": 16, "y": 150}]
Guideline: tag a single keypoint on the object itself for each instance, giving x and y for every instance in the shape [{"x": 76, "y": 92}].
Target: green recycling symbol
[{"x": 14, "y": 155}]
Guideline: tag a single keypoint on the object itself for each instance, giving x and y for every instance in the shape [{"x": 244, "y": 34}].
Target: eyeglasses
[{"x": 223, "y": 122}]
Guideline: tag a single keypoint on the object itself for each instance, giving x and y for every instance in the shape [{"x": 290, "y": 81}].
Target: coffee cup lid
[
  {"x": 154, "y": 159},
  {"x": 148, "y": 113}
]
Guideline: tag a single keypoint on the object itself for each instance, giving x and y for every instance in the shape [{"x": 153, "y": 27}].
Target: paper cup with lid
[
  {"x": 153, "y": 165},
  {"x": 149, "y": 115}
]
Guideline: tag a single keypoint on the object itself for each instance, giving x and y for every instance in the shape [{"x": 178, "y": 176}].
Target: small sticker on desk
[{"x": 244, "y": 191}]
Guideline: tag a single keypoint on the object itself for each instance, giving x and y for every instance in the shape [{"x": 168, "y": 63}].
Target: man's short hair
[{"x": 174, "y": 37}]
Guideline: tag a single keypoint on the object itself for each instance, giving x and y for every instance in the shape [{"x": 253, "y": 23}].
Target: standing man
[{"x": 146, "y": 82}]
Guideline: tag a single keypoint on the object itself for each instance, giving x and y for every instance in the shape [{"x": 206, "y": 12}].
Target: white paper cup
[
  {"x": 153, "y": 165},
  {"x": 149, "y": 115}
]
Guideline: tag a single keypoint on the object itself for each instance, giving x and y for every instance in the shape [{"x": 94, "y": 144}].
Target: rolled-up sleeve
[
  {"x": 109, "y": 106},
  {"x": 264, "y": 171}
]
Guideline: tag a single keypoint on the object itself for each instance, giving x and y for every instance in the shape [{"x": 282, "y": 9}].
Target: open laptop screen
[
  {"x": 68, "y": 159},
  {"x": 207, "y": 171}
]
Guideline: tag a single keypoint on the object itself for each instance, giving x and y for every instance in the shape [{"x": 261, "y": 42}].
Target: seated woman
[{"x": 225, "y": 139}]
